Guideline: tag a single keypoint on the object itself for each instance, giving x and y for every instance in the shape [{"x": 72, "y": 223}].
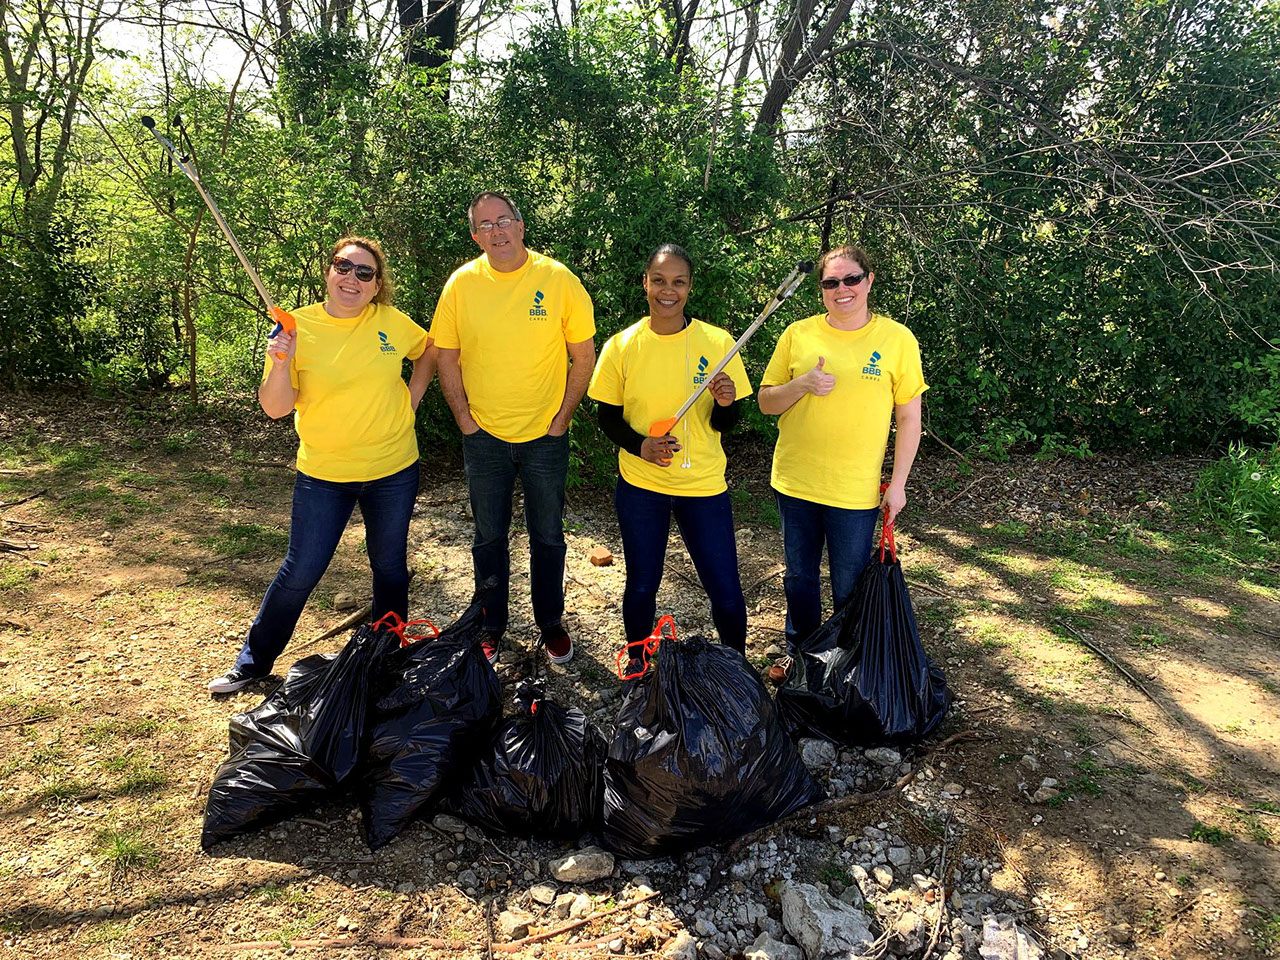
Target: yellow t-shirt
[
  {"x": 831, "y": 449},
  {"x": 353, "y": 415},
  {"x": 650, "y": 375},
  {"x": 511, "y": 330}
]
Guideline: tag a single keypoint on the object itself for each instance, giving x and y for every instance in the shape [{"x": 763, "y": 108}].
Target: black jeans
[{"x": 542, "y": 465}]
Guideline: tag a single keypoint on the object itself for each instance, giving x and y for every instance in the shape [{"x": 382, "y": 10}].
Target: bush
[{"x": 1242, "y": 491}]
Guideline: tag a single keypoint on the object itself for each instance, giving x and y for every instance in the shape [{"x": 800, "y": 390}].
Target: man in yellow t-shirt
[
  {"x": 837, "y": 380},
  {"x": 514, "y": 330}
]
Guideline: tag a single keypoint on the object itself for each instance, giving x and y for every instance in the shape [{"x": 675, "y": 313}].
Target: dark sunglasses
[
  {"x": 364, "y": 273},
  {"x": 852, "y": 280}
]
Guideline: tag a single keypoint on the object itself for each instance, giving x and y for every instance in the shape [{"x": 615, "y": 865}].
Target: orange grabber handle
[
  {"x": 660, "y": 428},
  {"x": 284, "y": 321},
  {"x": 648, "y": 646}
]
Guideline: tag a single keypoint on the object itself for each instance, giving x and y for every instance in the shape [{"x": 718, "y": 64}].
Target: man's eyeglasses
[
  {"x": 364, "y": 272},
  {"x": 852, "y": 280},
  {"x": 502, "y": 223}
]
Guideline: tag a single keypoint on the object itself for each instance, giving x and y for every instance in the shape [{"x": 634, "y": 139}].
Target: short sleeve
[
  {"x": 579, "y": 320},
  {"x": 738, "y": 374},
  {"x": 779, "y": 369},
  {"x": 908, "y": 380},
  {"x": 444, "y": 324},
  {"x": 607, "y": 382}
]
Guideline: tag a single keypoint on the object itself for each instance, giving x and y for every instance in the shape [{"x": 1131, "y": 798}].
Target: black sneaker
[{"x": 231, "y": 681}]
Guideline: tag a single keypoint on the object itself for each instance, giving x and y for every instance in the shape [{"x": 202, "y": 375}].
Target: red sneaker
[
  {"x": 490, "y": 641},
  {"x": 559, "y": 646}
]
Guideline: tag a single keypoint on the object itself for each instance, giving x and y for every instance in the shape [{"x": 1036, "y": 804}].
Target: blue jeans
[
  {"x": 321, "y": 509},
  {"x": 542, "y": 465},
  {"x": 706, "y": 524},
  {"x": 848, "y": 535}
]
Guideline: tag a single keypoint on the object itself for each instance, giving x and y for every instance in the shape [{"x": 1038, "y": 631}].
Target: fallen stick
[
  {"x": 14, "y": 503},
  {"x": 1120, "y": 668},
  {"x": 14, "y": 546},
  {"x": 23, "y": 722},
  {"x": 976, "y": 480},
  {"x": 516, "y": 945},
  {"x": 38, "y": 527},
  {"x": 359, "y": 616},
  {"x": 780, "y": 569},
  {"x": 928, "y": 589}
]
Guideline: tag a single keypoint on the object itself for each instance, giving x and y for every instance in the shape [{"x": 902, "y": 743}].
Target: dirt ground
[{"x": 1091, "y": 632}]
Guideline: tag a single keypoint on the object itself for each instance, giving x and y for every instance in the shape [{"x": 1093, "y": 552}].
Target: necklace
[{"x": 685, "y": 464}]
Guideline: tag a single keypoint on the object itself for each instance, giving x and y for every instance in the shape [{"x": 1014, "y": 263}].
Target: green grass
[
  {"x": 237, "y": 539},
  {"x": 1256, "y": 827},
  {"x": 834, "y": 872},
  {"x": 139, "y": 773},
  {"x": 131, "y": 728},
  {"x": 1202, "y": 833},
  {"x": 1264, "y": 927},
  {"x": 207, "y": 480},
  {"x": 112, "y": 931},
  {"x": 17, "y": 575},
  {"x": 61, "y": 790},
  {"x": 282, "y": 893},
  {"x": 1149, "y": 638},
  {"x": 123, "y": 852},
  {"x": 294, "y": 929}
]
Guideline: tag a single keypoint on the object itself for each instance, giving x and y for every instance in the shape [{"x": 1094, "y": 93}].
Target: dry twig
[
  {"x": 1120, "y": 668},
  {"x": 14, "y": 503}
]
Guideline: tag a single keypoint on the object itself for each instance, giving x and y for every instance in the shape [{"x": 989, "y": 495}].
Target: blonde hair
[{"x": 386, "y": 289}]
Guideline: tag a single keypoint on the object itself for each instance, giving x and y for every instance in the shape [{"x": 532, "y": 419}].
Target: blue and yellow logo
[
  {"x": 537, "y": 310},
  {"x": 386, "y": 344},
  {"x": 701, "y": 375},
  {"x": 872, "y": 369}
]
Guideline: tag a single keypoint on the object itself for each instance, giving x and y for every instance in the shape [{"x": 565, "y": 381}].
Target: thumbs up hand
[{"x": 818, "y": 382}]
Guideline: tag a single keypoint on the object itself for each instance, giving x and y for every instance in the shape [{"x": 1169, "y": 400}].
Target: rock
[
  {"x": 704, "y": 927},
  {"x": 884, "y": 756},
  {"x": 600, "y": 557},
  {"x": 953, "y": 790},
  {"x": 884, "y": 876},
  {"x": 615, "y": 946},
  {"x": 908, "y": 932},
  {"x": 680, "y": 947},
  {"x": 822, "y": 925},
  {"x": 817, "y": 755},
  {"x": 514, "y": 924},
  {"x": 583, "y": 866},
  {"x": 562, "y": 904},
  {"x": 344, "y": 923},
  {"x": 543, "y": 893},
  {"x": 899, "y": 856},
  {"x": 467, "y": 879},
  {"x": 1045, "y": 794},
  {"x": 580, "y": 907},
  {"x": 1030, "y": 762},
  {"x": 1002, "y": 940},
  {"x": 450, "y": 825},
  {"x": 711, "y": 951},
  {"x": 1049, "y": 782},
  {"x": 1121, "y": 933},
  {"x": 345, "y": 601},
  {"x": 767, "y": 948},
  {"x": 774, "y": 650}
]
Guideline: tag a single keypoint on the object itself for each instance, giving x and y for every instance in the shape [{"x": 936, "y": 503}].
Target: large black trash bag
[
  {"x": 863, "y": 678},
  {"x": 540, "y": 775},
  {"x": 436, "y": 702},
  {"x": 301, "y": 745},
  {"x": 698, "y": 754}
]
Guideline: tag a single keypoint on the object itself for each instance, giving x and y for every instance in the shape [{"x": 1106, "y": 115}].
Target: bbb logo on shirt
[
  {"x": 701, "y": 375},
  {"x": 386, "y": 344},
  {"x": 538, "y": 311},
  {"x": 872, "y": 369}
]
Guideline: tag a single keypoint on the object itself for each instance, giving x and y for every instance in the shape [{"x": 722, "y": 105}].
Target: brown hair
[
  {"x": 386, "y": 290},
  {"x": 846, "y": 252},
  {"x": 496, "y": 195}
]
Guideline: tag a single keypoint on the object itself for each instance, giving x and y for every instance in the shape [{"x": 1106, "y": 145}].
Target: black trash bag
[
  {"x": 863, "y": 679},
  {"x": 542, "y": 773},
  {"x": 436, "y": 702},
  {"x": 698, "y": 754},
  {"x": 301, "y": 745}
]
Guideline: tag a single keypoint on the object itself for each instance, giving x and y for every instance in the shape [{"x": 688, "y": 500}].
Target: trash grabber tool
[
  {"x": 284, "y": 320},
  {"x": 660, "y": 428}
]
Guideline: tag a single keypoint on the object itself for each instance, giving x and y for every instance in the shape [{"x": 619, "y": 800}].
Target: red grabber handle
[{"x": 284, "y": 321}]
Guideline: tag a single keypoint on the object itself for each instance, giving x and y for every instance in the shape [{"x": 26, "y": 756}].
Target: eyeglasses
[
  {"x": 364, "y": 272},
  {"x": 502, "y": 223},
  {"x": 852, "y": 280}
]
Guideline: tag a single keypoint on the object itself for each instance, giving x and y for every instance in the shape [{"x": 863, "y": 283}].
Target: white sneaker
[{"x": 231, "y": 681}]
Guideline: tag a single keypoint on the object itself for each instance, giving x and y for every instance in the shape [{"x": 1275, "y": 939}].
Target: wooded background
[{"x": 1075, "y": 209}]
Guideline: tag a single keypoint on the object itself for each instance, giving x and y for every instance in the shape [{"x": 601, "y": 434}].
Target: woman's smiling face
[
  {"x": 347, "y": 292},
  {"x": 845, "y": 300},
  {"x": 667, "y": 284}
]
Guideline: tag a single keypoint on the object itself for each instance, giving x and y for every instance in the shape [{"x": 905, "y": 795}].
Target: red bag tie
[
  {"x": 394, "y": 624},
  {"x": 886, "y": 531},
  {"x": 648, "y": 647}
]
